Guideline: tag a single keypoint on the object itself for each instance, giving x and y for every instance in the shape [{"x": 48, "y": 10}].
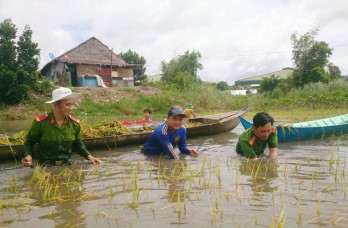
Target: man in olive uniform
[
  {"x": 253, "y": 141},
  {"x": 189, "y": 111},
  {"x": 57, "y": 133}
]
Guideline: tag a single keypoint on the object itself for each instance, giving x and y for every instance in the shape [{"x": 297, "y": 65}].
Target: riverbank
[{"x": 301, "y": 105}]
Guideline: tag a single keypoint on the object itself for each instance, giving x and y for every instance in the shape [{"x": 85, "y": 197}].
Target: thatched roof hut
[{"x": 91, "y": 57}]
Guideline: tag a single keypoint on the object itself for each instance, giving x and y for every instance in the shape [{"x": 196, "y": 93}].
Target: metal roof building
[{"x": 255, "y": 81}]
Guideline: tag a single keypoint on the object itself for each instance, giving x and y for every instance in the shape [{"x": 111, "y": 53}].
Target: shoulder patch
[
  {"x": 252, "y": 141},
  {"x": 40, "y": 118},
  {"x": 74, "y": 119}
]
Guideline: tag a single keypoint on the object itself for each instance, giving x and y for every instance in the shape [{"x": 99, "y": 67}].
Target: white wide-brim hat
[{"x": 62, "y": 93}]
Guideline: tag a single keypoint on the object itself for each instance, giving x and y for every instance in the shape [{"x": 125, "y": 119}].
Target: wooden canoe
[
  {"x": 209, "y": 125},
  {"x": 315, "y": 129}
]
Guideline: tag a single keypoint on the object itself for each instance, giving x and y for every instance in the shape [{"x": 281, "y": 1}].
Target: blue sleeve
[
  {"x": 182, "y": 143},
  {"x": 166, "y": 145}
]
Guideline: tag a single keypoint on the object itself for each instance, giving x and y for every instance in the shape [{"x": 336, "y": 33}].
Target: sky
[{"x": 236, "y": 38}]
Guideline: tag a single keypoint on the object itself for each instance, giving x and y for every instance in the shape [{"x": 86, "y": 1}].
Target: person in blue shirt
[{"x": 169, "y": 135}]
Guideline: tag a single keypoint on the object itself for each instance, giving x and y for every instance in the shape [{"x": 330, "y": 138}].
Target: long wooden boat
[
  {"x": 202, "y": 126},
  {"x": 314, "y": 129}
]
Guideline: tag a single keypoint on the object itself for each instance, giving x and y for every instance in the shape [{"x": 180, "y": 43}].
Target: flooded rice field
[{"x": 306, "y": 187}]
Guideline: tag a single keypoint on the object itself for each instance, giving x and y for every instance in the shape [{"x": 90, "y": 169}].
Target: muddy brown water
[{"x": 305, "y": 188}]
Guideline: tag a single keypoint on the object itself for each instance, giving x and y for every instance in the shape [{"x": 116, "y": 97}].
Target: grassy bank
[{"x": 312, "y": 102}]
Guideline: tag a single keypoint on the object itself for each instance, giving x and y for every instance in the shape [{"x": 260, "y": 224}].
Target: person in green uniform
[
  {"x": 189, "y": 111},
  {"x": 253, "y": 141},
  {"x": 56, "y": 133}
]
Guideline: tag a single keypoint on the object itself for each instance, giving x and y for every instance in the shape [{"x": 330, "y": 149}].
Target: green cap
[{"x": 190, "y": 106}]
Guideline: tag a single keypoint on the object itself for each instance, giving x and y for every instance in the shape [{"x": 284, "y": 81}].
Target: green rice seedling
[
  {"x": 261, "y": 197},
  {"x": 184, "y": 205},
  {"x": 256, "y": 219},
  {"x": 227, "y": 195},
  {"x": 318, "y": 206},
  {"x": 333, "y": 219},
  {"x": 213, "y": 213},
  {"x": 134, "y": 203},
  {"x": 331, "y": 161},
  {"x": 313, "y": 177},
  {"x": 299, "y": 217},
  {"x": 6, "y": 199},
  {"x": 35, "y": 173},
  {"x": 335, "y": 175},
  {"x": 280, "y": 195},
  {"x": 46, "y": 192},
  {"x": 79, "y": 175},
  {"x": 164, "y": 171},
  {"x": 221, "y": 207},
  {"x": 342, "y": 175},
  {"x": 203, "y": 164},
  {"x": 238, "y": 196},
  {"x": 254, "y": 176},
  {"x": 153, "y": 207},
  {"x": 110, "y": 193},
  {"x": 198, "y": 195},
  {"x": 237, "y": 174},
  {"x": 283, "y": 171},
  {"x": 13, "y": 183},
  {"x": 179, "y": 205},
  {"x": 190, "y": 183},
  {"x": 278, "y": 221},
  {"x": 216, "y": 200},
  {"x": 344, "y": 190},
  {"x": 298, "y": 196},
  {"x": 218, "y": 172},
  {"x": 227, "y": 165},
  {"x": 101, "y": 214}
]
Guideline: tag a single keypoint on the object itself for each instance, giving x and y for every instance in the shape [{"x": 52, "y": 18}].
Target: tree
[
  {"x": 132, "y": 57},
  {"x": 8, "y": 53},
  {"x": 184, "y": 68},
  {"x": 222, "y": 86},
  {"x": 334, "y": 72},
  {"x": 267, "y": 85},
  {"x": 28, "y": 52},
  {"x": 17, "y": 75},
  {"x": 311, "y": 58},
  {"x": 13, "y": 88}
]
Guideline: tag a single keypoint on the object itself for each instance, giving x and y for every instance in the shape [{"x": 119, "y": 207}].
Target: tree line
[{"x": 19, "y": 66}]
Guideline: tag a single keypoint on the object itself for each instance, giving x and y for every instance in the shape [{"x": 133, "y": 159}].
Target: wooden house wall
[
  {"x": 124, "y": 73},
  {"x": 84, "y": 69}
]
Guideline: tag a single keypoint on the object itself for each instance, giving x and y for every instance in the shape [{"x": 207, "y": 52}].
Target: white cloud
[{"x": 236, "y": 38}]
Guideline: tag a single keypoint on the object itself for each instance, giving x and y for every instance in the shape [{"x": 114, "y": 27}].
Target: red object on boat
[
  {"x": 143, "y": 121},
  {"x": 126, "y": 123}
]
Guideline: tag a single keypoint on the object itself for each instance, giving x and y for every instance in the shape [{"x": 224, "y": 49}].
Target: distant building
[
  {"x": 91, "y": 57},
  {"x": 243, "y": 91},
  {"x": 254, "y": 82}
]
